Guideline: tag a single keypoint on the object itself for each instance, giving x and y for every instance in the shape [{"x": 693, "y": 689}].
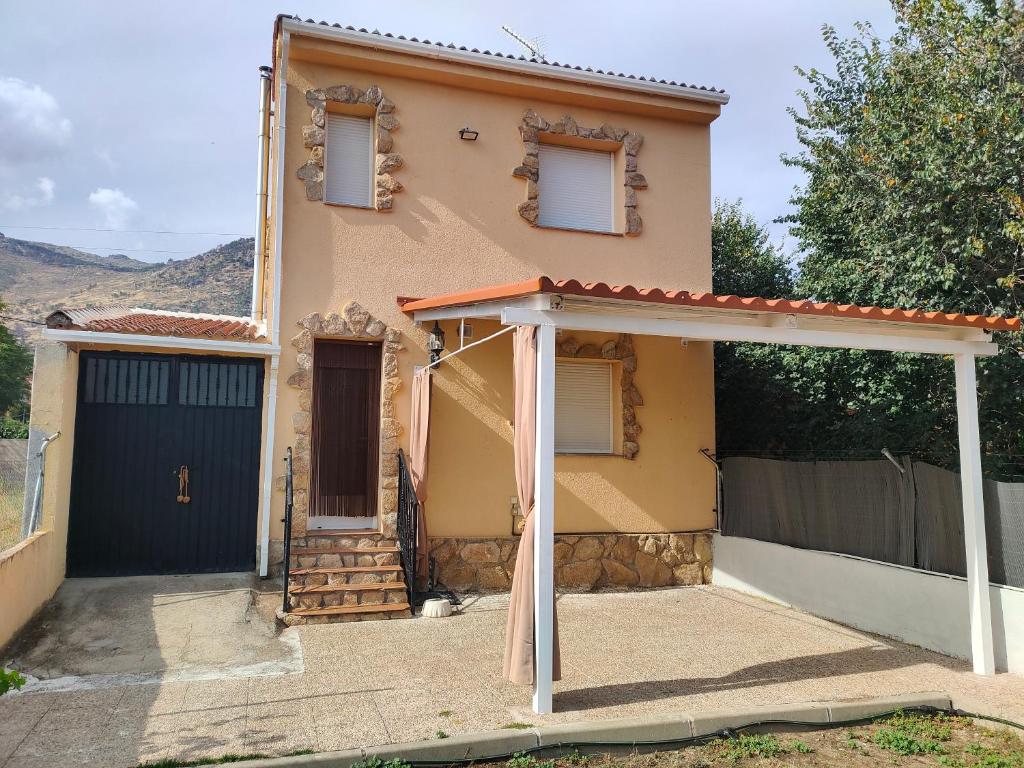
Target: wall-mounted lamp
[
  {"x": 435, "y": 344},
  {"x": 468, "y": 134}
]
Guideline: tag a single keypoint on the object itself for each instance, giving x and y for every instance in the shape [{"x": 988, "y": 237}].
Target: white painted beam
[
  {"x": 268, "y": 468},
  {"x": 180, "y": 343},
  {"x": 731, "y": 330},
  {"x": 544, "y": 521},
  {"x": 974, "y": 515}
]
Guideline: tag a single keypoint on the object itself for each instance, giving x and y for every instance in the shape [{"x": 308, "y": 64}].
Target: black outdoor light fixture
[
  {"x": 435, "y": 344},
  {"x": 468, "y": 134}
]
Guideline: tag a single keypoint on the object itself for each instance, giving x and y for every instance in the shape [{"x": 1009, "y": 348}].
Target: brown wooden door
[{"x": 346, "y": 429}]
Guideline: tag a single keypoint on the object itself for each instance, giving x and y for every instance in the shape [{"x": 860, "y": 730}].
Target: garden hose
[{"x": 724, "y": 733}]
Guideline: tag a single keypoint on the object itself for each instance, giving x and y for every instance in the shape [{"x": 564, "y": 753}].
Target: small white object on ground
[{"x": 437, "y": 608}]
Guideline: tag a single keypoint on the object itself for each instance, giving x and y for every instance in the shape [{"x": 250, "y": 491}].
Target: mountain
[{"x": 36, "y": 278}]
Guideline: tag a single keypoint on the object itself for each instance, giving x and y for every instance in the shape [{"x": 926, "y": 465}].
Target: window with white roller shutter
[
  {"x": 575, "y": 189},
  {"x": 348, "y": 160},
  {"x": 583, "y": 407}
]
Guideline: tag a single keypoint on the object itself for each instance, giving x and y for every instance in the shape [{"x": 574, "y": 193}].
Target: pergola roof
[{"x": 679, "y": 298}]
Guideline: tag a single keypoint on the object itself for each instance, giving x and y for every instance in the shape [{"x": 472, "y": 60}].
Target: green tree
[
  {"x": 913, "y": 153},
  {"x": 745, "y": 263},
  {"x": 15, "y": 368}
]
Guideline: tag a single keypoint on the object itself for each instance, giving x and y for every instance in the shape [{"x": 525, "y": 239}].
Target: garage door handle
[{"x": 183, "y": 497}]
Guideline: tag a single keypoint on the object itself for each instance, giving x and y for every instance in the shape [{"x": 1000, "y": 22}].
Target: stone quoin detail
[
  {"x": 533, "y": 126},
  {"x": 352, "y": 323},
  {"x": 582, "y": 562},
  {"x": 623, "y": 351},
  {"x": 314, "y": 136}
]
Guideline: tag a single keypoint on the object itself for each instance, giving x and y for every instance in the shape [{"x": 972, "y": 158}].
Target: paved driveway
[{"x": 624, "y": 655}]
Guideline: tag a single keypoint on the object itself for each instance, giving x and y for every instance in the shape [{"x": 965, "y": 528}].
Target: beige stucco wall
[
  {"x": 31, "y": 572},
  {"x": 455, "y": 227}
]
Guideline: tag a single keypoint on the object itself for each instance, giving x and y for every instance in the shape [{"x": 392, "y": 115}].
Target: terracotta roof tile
[
  {"x": 710, "y": 300},
  {"x": 152, "y": 322}
]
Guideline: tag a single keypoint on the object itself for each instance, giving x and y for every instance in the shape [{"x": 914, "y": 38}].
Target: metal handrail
[
  {"x": 287, "y": 526},
  {"x": 408, "y": 520}
]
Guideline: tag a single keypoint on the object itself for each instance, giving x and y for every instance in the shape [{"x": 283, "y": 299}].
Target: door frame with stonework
[
  {"x": 345, "y": 435},
  {"x": 353, "y": 323}
]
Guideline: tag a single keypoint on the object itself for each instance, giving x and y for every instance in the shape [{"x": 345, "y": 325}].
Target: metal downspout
[
  {"x": 279, "y": 108},
  {"x": 37, "y": 498},
  {"x": 262, "y": 164}
]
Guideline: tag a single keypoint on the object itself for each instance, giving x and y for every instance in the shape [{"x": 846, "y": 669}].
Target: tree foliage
[
  {"x": 15, "y": 368},
  {"x": 913, "y": 153}
]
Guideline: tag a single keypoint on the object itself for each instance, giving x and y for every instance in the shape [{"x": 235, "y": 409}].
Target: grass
[
  {"x": 764, "y": 745},
  {"x": 222, "y": 760},
  {"x": 914, "y": 734}
]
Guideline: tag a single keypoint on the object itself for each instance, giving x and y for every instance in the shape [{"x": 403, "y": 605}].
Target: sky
[{"x": 124, "y": 118}]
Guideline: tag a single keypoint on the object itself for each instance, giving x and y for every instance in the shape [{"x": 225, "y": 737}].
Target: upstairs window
[
  {"x": 575, "y": 189},
  {"x": 348, "y": 161},
  {"x": 583, "y": 407}
]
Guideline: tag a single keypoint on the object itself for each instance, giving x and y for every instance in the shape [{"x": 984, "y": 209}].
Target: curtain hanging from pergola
[
  {"x": 520, "y": 646},
  {"x": 419, "y": 431}
]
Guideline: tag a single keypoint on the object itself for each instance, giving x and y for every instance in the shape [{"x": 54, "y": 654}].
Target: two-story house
[
  {"x": 406, "y": 168},
  {"x": 480, "y": 289}
]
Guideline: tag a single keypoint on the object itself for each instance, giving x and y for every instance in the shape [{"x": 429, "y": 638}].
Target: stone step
[
  {"x": 295, "y": 551},
  {"x": 350, "y": 610},
  {"x": 347, "y": 569},
  {"x": 327, "y": 588}
]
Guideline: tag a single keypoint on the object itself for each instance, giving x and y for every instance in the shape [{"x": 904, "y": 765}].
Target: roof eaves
[{"x": 499, "y": 60}]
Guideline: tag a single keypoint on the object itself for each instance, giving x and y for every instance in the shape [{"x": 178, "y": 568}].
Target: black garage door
[{"x": 167, "y": 454}]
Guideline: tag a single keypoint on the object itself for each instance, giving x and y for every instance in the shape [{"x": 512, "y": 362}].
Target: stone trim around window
[
  {"x": 583, "y": 562},
  {"x": 352, "y": 323},
  {"x": 313, "y": 137},
  {"x": 623, "y": 351},
  {"x": 533, "y": 126}
]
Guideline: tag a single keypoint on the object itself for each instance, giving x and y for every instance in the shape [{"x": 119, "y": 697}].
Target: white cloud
[
  {"x": 117, "y": 208},
  {"x": 31, "y": 123},
  {"x": 43, "y": 195}
]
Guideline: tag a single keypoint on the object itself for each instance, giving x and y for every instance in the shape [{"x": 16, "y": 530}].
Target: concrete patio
[{"x": 624, "y": 655}]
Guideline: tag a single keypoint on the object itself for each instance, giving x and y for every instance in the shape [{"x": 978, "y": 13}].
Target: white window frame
[
  {"x": 611, "y": 188},
  {"x": 609, "y": 366},
  {"x": 371, "y": 157}
]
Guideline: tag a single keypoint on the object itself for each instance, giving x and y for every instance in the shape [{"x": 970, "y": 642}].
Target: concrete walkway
[{"x": 624, "y": 655}]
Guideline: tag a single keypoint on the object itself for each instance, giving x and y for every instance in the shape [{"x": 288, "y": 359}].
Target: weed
[
  {"x": 229, "y": 758},
  {"x": 523, "y": 760},
  {"x": 441, "y": 734},
  {"x": 798, "y": 746},
  {"x": 577, "y": 758},
  {"x": 752, "y": 745},
  {"x": 10, "y": 680},
  {"x": 913, "y": 734},
  {"x": 445, "y": 713},
  {"x": 991, "y": 758},
  {"x": 376, "y": 762},
  {"x": 516, "y": 726}
]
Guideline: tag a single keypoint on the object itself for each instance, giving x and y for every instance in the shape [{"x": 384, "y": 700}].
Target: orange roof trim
[{"x": 709, "y": 300}]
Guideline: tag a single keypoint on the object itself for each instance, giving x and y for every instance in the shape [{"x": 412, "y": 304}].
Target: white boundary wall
[{"x": 918, "y": 607}]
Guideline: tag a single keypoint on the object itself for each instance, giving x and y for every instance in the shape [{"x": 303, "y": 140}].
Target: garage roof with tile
[
  {"x": 709, "y": 301},
  {"x": 154, "y": 322}
]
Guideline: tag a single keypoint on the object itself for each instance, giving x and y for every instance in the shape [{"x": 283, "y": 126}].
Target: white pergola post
[
  {"x": 544, "y": 521},
  {"x": 974, "y": 514}
]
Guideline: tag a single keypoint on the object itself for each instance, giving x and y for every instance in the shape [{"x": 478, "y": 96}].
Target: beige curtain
[
  {"x": 419, "y": 431},
  {"x": 520, "y": 658}
]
